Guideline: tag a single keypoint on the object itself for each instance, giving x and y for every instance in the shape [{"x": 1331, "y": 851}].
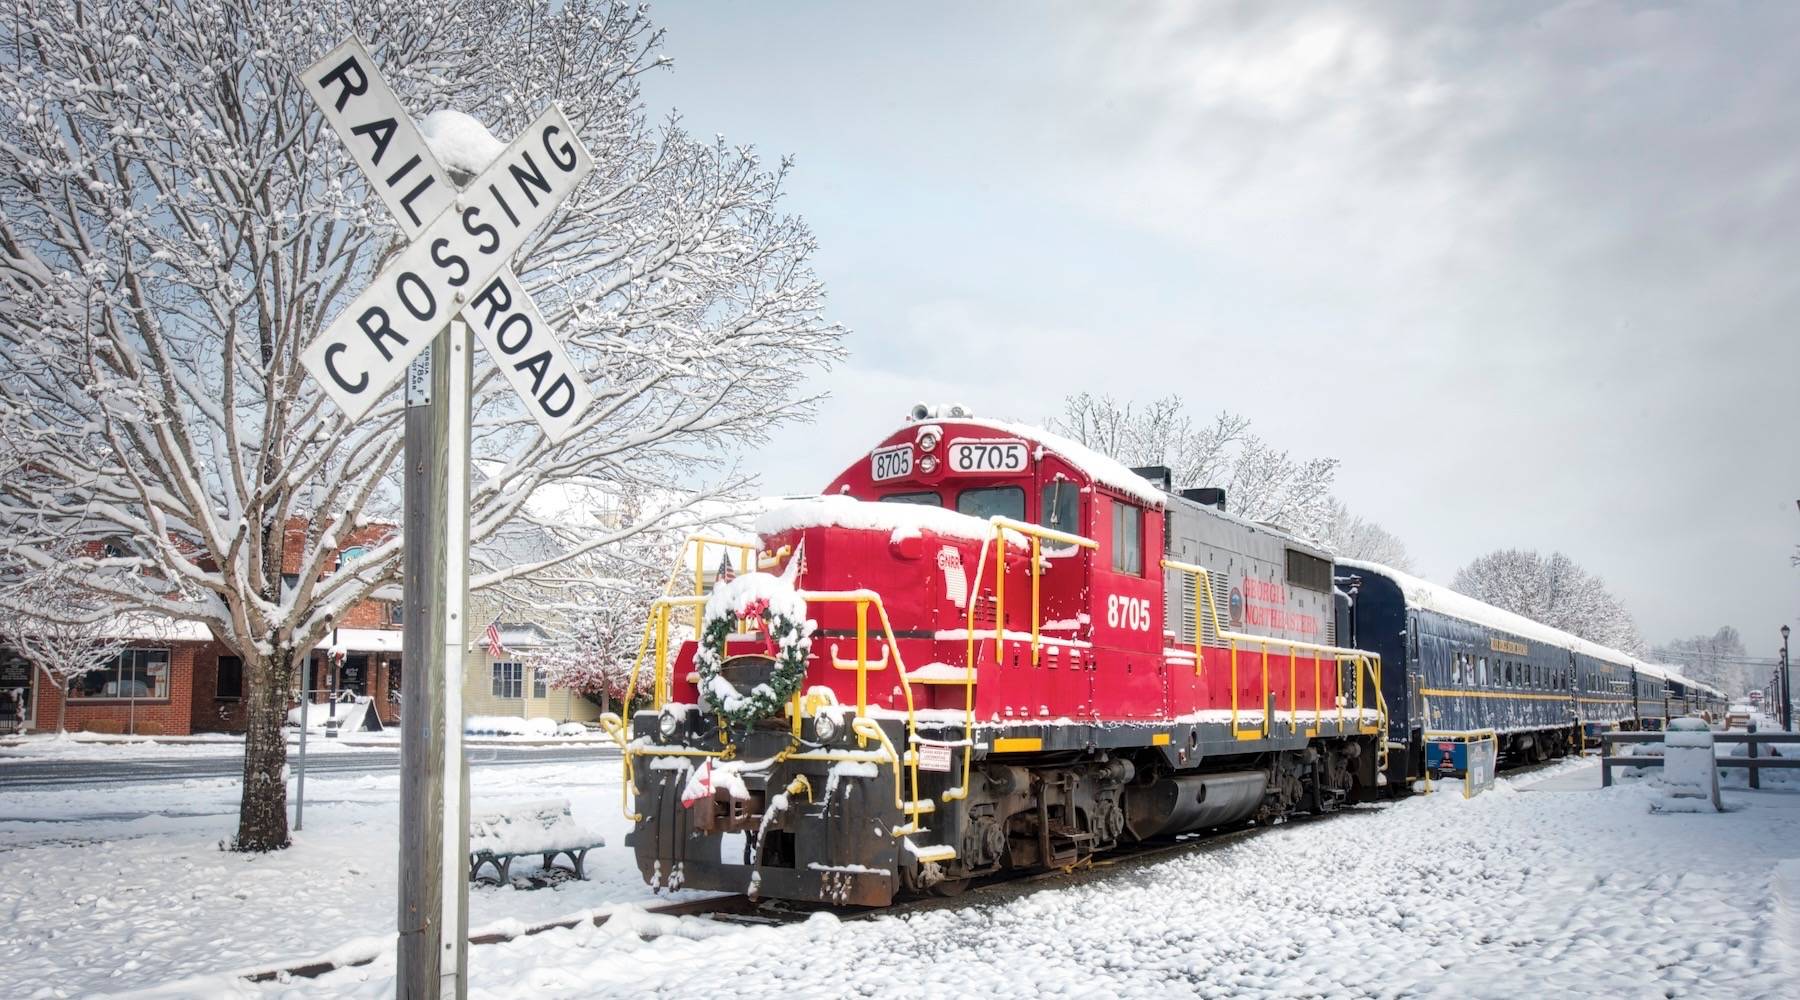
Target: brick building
[{"x": 175, "y": 679}]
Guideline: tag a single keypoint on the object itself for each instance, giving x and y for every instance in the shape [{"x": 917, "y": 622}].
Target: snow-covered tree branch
[
  {"x": 176, "y": 225},
  {"x": 1553, "y": 590},
  {"x": 1261, "y": 482}
]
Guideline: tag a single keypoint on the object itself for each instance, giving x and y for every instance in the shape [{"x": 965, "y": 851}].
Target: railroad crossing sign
[
  {"x": 456, "y": 258},
  {"x": 454, "y": 265}
]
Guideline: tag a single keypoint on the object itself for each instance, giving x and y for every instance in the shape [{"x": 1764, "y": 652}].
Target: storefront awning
[{"x": 363, "y": 640}]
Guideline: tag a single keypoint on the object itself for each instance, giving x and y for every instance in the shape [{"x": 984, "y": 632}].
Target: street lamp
[{"x": 1787, "y": 691}]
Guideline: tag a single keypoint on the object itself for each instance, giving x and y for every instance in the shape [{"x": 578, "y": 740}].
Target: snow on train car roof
[
  {"x": 1106, "y": 471},
  {"x": 873, "y": 515},
  {"x": 1425, "y": 594},
  {"x": 1656, "y": 670}
]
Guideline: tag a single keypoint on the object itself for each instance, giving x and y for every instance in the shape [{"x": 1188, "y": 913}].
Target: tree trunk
[
  {"x": 62, "y": 700},
  {"x": 262, "y": 812}
]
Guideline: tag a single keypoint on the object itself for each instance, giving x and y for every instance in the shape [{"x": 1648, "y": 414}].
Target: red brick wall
[
  {"x": 209, "y": 713},
  {"x": 169, "y": 716}
]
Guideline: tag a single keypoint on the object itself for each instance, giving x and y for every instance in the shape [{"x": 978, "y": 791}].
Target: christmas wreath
[{"x": 763, "y": 601}]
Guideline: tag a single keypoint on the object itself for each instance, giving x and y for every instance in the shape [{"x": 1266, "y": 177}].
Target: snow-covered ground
[
  {"x": 118, "y": 888},
  {"x": 1547, "y": 885}
]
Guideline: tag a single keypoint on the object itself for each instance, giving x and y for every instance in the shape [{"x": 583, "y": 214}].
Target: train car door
[
  {"x": 1126, "y": 607},
  {"x": 1065, "y": 662}
]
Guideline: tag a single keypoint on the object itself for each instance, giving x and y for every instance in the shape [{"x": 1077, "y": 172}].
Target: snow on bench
[{"x": 548, "y": 828}]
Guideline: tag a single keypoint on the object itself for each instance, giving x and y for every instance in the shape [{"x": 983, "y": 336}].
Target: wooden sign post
[{"x": 453, "y": 277}]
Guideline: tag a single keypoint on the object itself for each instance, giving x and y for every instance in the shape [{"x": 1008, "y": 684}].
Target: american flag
[
  {"x": 495, "y": 650},
  {"x": 726, "y": 573}
]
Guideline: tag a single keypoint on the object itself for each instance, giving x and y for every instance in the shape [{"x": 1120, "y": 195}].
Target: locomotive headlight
[
  {"x": 668, "y": 725},
  {"x": 928, "y": 441},
  {"x": 928, "y": 464},
  {"x": 825, "y": 727}
]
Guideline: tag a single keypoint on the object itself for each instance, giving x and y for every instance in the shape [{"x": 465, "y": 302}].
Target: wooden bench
[{"x": 547, "y": 828}]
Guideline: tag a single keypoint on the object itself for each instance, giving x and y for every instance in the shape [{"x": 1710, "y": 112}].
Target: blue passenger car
[{"x": 1471, "y": 667}]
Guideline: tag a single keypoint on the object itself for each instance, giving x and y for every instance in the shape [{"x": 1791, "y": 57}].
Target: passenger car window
[{"x": 986, "y": 501}]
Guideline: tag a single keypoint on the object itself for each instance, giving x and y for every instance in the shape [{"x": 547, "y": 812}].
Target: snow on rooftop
[
  {"x": 460, "y": 142},
  {"x": 1425, "y": 594},
  {"x": 1107, "y": 471},
  {"x": 871, "y": 515}
]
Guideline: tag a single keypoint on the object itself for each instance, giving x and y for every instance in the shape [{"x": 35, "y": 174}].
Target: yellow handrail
[
  {"x": 864, "y": 726},
  {"x": 1037, "y": 534},
  {"x": 1364, "y": 661}
]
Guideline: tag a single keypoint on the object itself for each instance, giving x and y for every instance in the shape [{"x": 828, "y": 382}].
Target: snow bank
[{"x": 510, "y": 725}]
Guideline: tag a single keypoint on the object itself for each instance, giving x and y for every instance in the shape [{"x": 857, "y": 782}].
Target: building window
[
  {"x": 509, "y": 680},
  {"x": 396, "y": 613},
  {"x": 540, "y": 684},
  {"x": 1127, "y": 539},
  {"x": 134, "y": 673},
  {"x": 230, "y": 686}
]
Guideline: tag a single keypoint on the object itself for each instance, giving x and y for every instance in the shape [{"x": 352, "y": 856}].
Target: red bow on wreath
[{"x": 753, "y": 615}]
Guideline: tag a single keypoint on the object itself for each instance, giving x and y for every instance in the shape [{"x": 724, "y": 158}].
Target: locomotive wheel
[{"x": 951, "y": 887}]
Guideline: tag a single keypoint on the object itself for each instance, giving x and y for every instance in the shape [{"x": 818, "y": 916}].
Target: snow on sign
[{"x": 457, "y": 260}]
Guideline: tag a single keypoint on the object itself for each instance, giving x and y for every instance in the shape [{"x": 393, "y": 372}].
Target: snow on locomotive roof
[
  {"x": 1106, "y": 471},
  {"x": 1443, "y": 600},
  {"x": 872, "y": 515}
]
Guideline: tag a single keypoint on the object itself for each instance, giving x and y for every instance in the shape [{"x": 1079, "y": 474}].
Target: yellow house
[{"x": 508, "y": 685}]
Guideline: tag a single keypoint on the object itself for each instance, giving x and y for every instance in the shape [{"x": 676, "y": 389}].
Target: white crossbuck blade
[{"x": 457, "y": 260}]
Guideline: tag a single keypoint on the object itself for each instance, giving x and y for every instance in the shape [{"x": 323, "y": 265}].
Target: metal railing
[
  {"x": 1756, "y": 763},
  {"x": 1366, "y": 668},
  {"x": 656, "y": 645}
]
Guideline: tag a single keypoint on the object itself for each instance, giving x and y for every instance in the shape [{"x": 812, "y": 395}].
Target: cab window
[
  {"x": 1061, "y": 507},
  {"x": 985, "y": 502},
  {"x": 1127, "y": 539},
  {"x": 926, "y": 499}
]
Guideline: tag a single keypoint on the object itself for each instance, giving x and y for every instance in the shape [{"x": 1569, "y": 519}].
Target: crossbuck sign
[{"x": 456, "y": 258}]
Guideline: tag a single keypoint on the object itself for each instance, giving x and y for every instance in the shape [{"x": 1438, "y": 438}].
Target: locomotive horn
[{"x": 919, "y": 411}]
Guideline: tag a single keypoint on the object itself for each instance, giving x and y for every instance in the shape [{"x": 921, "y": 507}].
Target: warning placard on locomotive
[{"x": 934, "y": 757}]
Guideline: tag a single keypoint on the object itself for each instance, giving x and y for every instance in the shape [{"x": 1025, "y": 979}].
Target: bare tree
[
  {"x": 1355, "y": 537},
  {"x": 1553, "y": 590},
  {"x": 1719, "y": 659},
  {"x": 59, "y": 625},
  {"x": 176, "y": 225},
  {"x": 1261, "y": 482}
]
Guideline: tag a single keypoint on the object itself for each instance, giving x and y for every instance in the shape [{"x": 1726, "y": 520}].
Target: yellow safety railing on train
[
  {"x": 1035, "y": 536},
  {"x": 1366, "y": 666},
  {"x": 864, "y": 727}
]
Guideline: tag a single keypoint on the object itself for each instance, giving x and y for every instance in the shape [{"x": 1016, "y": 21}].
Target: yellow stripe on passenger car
[
  {"x": 1017, "y": 744},
  {"x": 1449, "y": 693}
]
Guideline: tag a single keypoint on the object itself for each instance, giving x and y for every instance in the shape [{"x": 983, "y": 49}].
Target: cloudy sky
[{"x": 1529, "y": 271}]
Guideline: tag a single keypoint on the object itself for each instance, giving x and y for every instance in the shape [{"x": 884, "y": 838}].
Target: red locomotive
[{"x": 988, "y": 648}]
